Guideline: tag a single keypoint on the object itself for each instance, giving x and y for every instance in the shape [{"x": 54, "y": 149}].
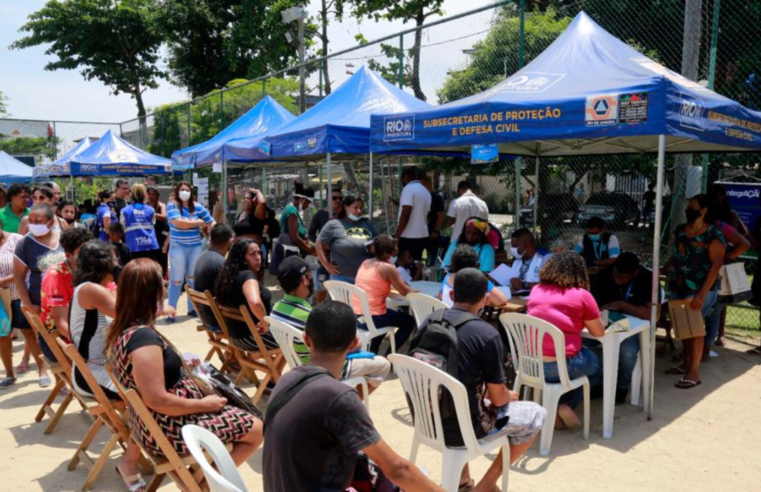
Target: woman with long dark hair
[
  {"x": 475, "y": 233},
  {"x": 144, "y": 361},
  {"x": 67, "y": 215},
  {"x": 238, "y": 285},
  {"x": 341, "y": 246},
  {"x": 186, "y": 219}
]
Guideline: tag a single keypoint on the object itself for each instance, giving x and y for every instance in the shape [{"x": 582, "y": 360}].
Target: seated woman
[
  {"x": 475, "y": 234},
  {"x": 144, "y": 361},
  {"x": 563, "y": 299},
  {"x": 376, "y": 276},
  {"x": 465, "y": 256},
  {"x": 238, "y": 285},
  {"x": 92, "y": 309}
]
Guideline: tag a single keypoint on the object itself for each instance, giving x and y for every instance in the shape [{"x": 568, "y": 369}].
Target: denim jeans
[
  {"x": 342, "y": 278},
  {"x": 404, "y": 323},
  {"x": 584, "y": 363},
  {"x": 627, "y": 358},
  {"x": 182, "y": 264},
  {"x": 713, "y": 323}
]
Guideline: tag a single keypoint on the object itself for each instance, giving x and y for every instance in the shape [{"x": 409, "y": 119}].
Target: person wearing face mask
[
  {"x": 528, "y": 260},
  {"x": 598, "y": 246},
  {"x": 475, "y": 235},
  {"x": 186, "y": 218},
  {"x": 30, "y": 260},
  {"x": 296, "y": 280},
  {"x": 105, "y": 214},
  {"x": 67, "y": 215},
  {"x": 294, "y": 237},
  {"x": 697, "y": 255},
  {"x": 341, "y": 246}
]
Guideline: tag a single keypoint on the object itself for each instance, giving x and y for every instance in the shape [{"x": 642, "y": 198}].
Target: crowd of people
[{"x": 102, "y": 277}]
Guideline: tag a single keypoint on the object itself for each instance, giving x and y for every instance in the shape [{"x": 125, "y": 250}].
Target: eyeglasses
[{"x": 336, "y": 198}]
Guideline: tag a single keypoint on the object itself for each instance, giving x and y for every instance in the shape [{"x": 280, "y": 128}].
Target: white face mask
[
  {"x": 39, "y": 230},
  {"x": 353, "y": 217},
  {"x": 184, "y": 195},
  {"x": 514, "y": 252}
]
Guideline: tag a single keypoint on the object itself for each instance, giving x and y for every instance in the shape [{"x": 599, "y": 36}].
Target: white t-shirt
[
  {"x": 532, "y": 274},
  {"x": 405, "y": 274},
  {"x": 463, "y": 208},
  {"x": 419, "y": 198}
]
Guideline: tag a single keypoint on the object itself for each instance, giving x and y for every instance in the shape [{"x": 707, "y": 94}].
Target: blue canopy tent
[
  {"x": 60, "y": 167},
  {"x": 588, "y": 93},
  {"x": 113, "y": 156},
  {"x": 267, "y": 116},
  {"x": 339, "y": 124},
  {"x": 13, "y": 170}
]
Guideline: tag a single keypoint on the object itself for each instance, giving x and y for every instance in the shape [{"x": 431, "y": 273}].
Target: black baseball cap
[{"x": 292, "y": 268}]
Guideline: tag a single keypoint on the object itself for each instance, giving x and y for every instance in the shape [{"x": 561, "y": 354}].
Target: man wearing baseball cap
[{"x": 295, "y": 277}]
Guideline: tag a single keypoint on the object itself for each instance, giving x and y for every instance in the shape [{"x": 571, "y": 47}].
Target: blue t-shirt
[
  {"x": 485, "y": 254},
  {"x": 104, "y": 210},
  {"x": 186, "y": 237}
]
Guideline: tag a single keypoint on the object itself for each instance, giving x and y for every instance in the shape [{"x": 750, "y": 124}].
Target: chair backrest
[
  {"x": 423, "y": 305},
  {"x": 221, "y": 321},
  {"x": 285, "y": 335},
  {"x": 50, "y": 338},
  {"x": 199, "y": 440},
  {"x": 422, "y": 383},
  {"x": 347, "y": 294},
  {"x": 242, "y": 314},
  {"x": 198, "y": 299},
  {"x": 526, "y": 337}
]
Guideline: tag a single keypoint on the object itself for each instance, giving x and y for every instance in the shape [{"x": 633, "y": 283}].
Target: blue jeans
[
  {"x": 342, "y": 278},
  {"x": 627, "y": 359},
  {"x": 713, "y": 323},
  {"x": 404, "y": 323},
  {"x": 584, "y": 363},
  {"x": 182, "y": 264}
]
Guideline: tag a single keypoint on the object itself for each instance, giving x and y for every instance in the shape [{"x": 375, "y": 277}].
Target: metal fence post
[
  {"x": 519, "y": 160},
  {"x": 401, "y": 61},
  {"x": 321, "y": 70},
  {"x": 711, "y": 76},
  {"x": 55, "y": 143},
  {"x": 190, "y": 118}
]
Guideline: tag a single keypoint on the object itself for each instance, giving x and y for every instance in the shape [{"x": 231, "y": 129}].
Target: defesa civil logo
[{"x": 401, "y": 127}]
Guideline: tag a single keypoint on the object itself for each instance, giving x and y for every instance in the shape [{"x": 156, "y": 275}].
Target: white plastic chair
[
  {"x": 286, "y": 334},
  {"x": 227, "y": 479},
  {"x": 347, "y": 293},
  {"x": 422, "y": 383},
  {"x": 526, "y": 335},
  {"x": 422, "y": 306}
]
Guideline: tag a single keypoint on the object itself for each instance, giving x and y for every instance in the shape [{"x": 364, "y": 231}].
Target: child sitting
[{"x": 407, "y": 268}]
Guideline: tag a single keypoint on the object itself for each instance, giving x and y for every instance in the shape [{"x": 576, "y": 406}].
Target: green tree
[
  {"x": 37, "y": 146},
  {"x": 406, "y": 11},
  {"x": 211, "y": 42},
  {"x": 116, "y": 42},
  {"x": 3, "y": 106},
  {"x": 328, "y": 8}
]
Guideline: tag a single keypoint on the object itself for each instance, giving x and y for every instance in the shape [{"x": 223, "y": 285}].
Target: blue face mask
[{"x": 594, "y": 237}]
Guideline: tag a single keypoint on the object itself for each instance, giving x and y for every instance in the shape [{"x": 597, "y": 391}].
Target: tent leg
[
  {"x": 370, "y": 188},
  {"x": 330, "y": 178},
  {"x": 517, "y": 217},
  {"x": 536, "y": 194},
  {"x": 225, "y": 205},
  {"x": 71, "y": 185},
  {"x": 656, "y": 287}
]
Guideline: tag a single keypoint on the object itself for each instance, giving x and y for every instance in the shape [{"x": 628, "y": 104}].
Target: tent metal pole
[
  {"x": 517, "y": 218},
  {"x": 225, "y": 204},
  {"x": 329, "y": 199},
  {"x": 330, "y": 177},
  {"x": 370, "y": 188},
  {"x": 536, "y": 193},
  {"x": 656, "y": 287}
]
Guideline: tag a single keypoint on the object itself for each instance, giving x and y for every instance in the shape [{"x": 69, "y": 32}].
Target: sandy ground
[{"x": 705, "y": 439}]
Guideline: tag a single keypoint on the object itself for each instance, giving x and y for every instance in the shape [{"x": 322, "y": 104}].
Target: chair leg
[
  {"x": 59, "y": 413},
  {"x": 100, "y": 463},
  {"x": 392, "y": 341},
  {"x": 49, "y": 400},
  {"x": 88, "y": 439},
  {"x": 366, "y": 393},
  {"x": 505, "y": 466},
  {"x": 586, "y": 411},
  {"x": 451, "y": 470},
  {"x": 155, "y": 483},
  {"x": 550, "y": 403},
  {"x": 636, "y": 382},
  {"x": 415, "y": 449}
]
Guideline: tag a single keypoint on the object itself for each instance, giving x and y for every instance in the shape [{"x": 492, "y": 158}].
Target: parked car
[
  {"x": 558, "y": 206},
  {"x": 615, "y": 207}
]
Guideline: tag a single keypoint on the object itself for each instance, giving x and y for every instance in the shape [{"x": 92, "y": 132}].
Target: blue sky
[{"x": 35, "y": 93}]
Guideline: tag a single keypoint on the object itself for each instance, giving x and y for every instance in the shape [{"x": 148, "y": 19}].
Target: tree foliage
[
  {"x": 37, "y": 146},
  {"x": 3, "y": 106},
  {"x": 211, "y": 42},
  {"x": 115, "y": 42}
]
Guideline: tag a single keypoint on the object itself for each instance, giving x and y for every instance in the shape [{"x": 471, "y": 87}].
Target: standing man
[
  {"x": 435, "y": 221},
  {"x": 465, "y": 207},
  {"x": 121, "y": 192},
  {"x": 414, "y": 205},
  {"x": 17, "y": 208},
  {"x": 319, "y": 220}
]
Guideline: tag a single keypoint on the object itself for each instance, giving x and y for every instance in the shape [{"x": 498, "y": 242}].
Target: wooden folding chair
[
  {"x": 106, "y": 412},
  {"x": 268, "y": 361},
  {"x": 218, "y": 341},
  {"x": 184, "y": 471},
  {"x": 61, "y": 373}
]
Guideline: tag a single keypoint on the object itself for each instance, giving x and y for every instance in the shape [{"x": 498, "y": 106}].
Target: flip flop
[
  {"x": 134, "y": 483},
  {"x": 676, "y": 371},
  {"x": 468, "y": 487},
  {"x": 22, "y": 368},
  {"x": 754, "y": 351},
  {"x": 685, "y": 383}
]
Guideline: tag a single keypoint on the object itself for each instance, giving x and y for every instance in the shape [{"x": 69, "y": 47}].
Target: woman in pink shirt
[
  {"x": 563, "y": 299},
  {"x": 376, "y": 276}
]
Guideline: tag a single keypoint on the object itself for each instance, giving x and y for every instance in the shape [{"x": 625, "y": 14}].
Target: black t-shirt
[
  {"x": 273, "y": 228},
  {"x": 437, "y": 205},
  {"x": 123, "y": 253},
  {"x": 239, "y": 329},
  {"x": 250, "y": 224},
  {"x": 172, "y": 362},
  {"x": 318, "y": 222},
  {"x": 605, "y": 290},
  {"x": 208, "y": 266},
  {"x": 481, "y": 362},
  {"x": 120, "y": 204},
  {"x": 309, "y": 447}
]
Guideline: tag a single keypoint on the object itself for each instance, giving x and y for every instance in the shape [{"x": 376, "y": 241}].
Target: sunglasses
[{"x": 336, "y": 198}]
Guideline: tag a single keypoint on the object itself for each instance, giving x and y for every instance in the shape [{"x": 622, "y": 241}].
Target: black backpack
[{"x": 436, "y": 341}]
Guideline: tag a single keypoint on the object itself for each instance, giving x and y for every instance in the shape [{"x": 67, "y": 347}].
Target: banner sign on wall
[{"x": 744, "y": 199}]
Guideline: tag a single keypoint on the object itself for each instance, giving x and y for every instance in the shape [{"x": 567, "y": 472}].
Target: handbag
[
  {"x": 735, "y": 285},
  {"x": 5, "y": 297}
]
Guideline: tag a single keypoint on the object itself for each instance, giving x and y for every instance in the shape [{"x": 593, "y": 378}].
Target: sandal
[
  {"x": 685, "y": 383},
  {"x": 676, "y": 371},
  {"x": 468, "y": 487},
  {"x": 22, "y": 368},
  {"x": 754, "y": 351},
  {"x": 134, "y": 483}
]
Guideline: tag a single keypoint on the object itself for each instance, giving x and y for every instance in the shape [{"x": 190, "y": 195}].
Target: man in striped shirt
[{"x": 295, "y": 277}]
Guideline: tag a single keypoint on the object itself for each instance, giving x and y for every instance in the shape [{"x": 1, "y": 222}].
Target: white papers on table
[
  {"x": 619, "y": 326},
  {"x": 502, "y": 275}
]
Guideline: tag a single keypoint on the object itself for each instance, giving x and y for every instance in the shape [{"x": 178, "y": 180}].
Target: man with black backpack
[
  {"x": 458, "y": 342},
  {"x": 315, "y": 426}
]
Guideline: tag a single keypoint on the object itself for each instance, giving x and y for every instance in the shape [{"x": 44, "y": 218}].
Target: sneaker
[
  {"x": 170, "y": 320},
  {"x": 193, "y": 314},
  {"x": 44, "y": 381},
  {"x": 621, "y": 395},
  {"x": 7, "y": 383}
]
